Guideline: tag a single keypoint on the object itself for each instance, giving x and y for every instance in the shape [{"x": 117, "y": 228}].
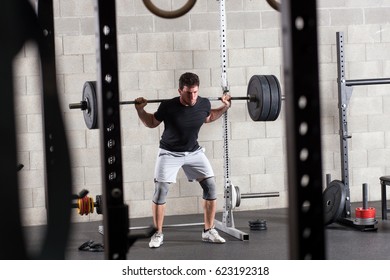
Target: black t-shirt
[{"x": 182, "y": 123}]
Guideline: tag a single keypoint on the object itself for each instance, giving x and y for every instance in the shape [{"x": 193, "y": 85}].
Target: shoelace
[{"x": 157, "y": 236}]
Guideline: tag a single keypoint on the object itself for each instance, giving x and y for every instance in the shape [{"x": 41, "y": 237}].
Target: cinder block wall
[{"x": 154, "y": 52}]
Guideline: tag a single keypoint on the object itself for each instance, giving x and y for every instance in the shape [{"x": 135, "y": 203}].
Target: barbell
[
  {"x": 86, "y": 205},
  {"x": 263, "y": 100}
]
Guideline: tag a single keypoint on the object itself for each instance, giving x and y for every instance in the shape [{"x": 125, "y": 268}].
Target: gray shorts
[{"x": 195, "y": 165}]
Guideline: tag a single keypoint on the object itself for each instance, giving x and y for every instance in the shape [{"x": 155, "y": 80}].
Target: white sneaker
[
  {"x": 156, "y": 240},
  {"x": 212, "y": 236}
]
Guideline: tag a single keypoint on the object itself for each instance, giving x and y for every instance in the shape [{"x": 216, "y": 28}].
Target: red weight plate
[{"x": 368, "y": 213}]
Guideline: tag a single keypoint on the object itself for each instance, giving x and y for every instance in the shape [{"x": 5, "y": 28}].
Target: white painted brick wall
[{"x": 154, "y": 52}]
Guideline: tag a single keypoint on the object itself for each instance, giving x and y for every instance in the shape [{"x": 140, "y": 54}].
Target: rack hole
[{"x": 299, "y": 23}]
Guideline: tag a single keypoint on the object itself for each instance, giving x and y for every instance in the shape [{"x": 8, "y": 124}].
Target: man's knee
[
  {"x": 160, "y": 192},
  {"x": 209, "y": 188}
]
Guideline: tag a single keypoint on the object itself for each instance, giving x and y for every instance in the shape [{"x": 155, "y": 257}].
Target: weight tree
[{"x": 339, "y": 208}]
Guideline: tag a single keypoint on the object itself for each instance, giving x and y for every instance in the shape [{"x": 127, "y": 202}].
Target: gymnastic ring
[
  {"x": 169, "y": 14},
  {"x": 274, "y": 4}
]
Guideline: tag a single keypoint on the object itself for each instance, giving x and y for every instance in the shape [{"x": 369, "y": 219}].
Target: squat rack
[
  {"x": 345, "y": 88},
  {"x": 227, "y": 223}
]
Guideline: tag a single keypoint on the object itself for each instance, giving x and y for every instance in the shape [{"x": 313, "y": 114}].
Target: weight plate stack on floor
[
  {"x": 365, "y": 216},
  {"x": 258, "y": 224}
]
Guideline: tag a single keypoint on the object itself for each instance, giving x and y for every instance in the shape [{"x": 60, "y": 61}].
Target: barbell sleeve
[
  {"x": 81, "y": 105},
  {"x": 366, "y": 82},
  {"x": 259, "y": 195}
]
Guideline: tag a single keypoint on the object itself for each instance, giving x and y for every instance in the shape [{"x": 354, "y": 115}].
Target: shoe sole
[
  {"x": 210, "y": 241},
  {"x": 156, "y": 246}
]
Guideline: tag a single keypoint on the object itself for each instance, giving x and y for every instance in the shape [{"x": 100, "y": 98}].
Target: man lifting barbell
[
  {"x": 183, "y": 116},
  {"x": 263, "y": 103}
]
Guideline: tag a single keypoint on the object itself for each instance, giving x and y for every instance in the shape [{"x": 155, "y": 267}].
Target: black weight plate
[
  {"x": 276, "y": 99},
  {"x": 333, "y": 201},
  {"x": 259, "y": 95},
  {"x": 89, "y": 96},
  {"x": 254, "y": 104},
  {"x": 99, "y": 204}
]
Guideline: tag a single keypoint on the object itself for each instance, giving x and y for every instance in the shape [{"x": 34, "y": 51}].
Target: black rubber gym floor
[{"x": 184, "y": 243}]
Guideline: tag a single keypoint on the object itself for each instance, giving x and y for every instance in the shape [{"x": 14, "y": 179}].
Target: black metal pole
[
  {"x": 303, "y": 129},
  {"x": 58, "y": 175},
  {"x": 115, "y": 212},
  {"x": 365, "y": 195},
  {"x": 12, "y": 246}
]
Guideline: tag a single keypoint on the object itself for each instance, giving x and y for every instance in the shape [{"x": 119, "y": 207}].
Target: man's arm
[
  {"x": 147, "y": 119},
  {"x": 216, "y": 113}
]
